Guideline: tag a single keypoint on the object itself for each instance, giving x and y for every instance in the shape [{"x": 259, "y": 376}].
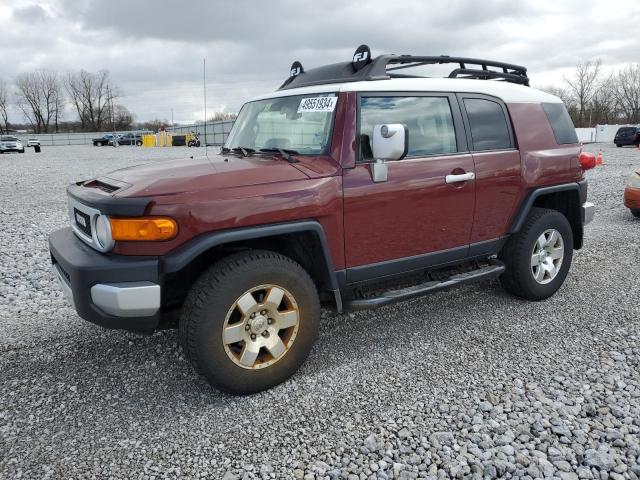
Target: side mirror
[{"x": 390, "y": 142}]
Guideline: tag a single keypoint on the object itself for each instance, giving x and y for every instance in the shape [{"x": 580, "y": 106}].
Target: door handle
[{"x": 464, "y": 177}]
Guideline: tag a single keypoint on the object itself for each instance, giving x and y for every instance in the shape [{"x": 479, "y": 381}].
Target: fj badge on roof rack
[
  {"x": 296, "y": 69},
  {"x": 361, "y": 57}
]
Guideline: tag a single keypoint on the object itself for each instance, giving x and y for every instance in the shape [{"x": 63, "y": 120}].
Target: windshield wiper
[
  {"x": 285, "y": 152},
  {"x": 245, "y": 151}
]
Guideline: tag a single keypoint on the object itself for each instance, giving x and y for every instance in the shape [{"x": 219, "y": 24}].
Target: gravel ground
[{"x": 470, "y": 382}]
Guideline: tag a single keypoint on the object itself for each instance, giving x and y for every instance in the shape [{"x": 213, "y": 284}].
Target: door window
[
  {"x": 489, "y": 129},
  {"x": 429, "y": 120}
]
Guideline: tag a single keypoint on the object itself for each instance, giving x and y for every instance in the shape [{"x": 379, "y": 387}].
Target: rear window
[
  {"x": 560, "y": 122},
  {"x": 489, "y": 129}
]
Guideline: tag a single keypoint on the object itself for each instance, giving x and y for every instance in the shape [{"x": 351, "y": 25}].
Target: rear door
[
  {"x": 414, "y": 219},
  {"x": 498, "y": 168}
]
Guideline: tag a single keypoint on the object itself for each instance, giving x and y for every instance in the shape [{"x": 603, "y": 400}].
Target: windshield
[
  {"x": 7, "y": 138},
  {"x": 300, "y": 123}
]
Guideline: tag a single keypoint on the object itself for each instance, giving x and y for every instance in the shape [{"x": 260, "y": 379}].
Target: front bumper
[{"x": 109, "y": 290}]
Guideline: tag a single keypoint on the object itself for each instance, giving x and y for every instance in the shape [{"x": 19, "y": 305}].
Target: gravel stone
[{"x": 467, "y": 383}]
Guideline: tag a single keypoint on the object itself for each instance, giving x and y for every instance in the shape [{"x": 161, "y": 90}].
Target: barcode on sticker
[{"x": 317, "y": 104}]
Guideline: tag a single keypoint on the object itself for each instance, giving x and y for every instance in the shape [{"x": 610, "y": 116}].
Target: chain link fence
[{"x": 216, "y": 134}]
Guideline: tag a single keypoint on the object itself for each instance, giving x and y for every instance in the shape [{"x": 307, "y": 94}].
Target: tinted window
[
  {"x": 428, "y": 119},
  {"x": 489, "y": 129},
  {"x": 560, "y": 122}
]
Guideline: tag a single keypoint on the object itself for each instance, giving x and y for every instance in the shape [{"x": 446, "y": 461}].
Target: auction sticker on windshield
[{"x": 317, "y": 104}]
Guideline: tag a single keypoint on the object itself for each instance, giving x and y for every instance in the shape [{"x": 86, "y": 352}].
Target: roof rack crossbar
[
  {"x": 509, "y": 72},
  {"x": 364, "y": 67}
]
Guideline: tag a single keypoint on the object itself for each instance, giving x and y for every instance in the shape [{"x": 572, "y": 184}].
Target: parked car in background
[
  {"x": 9, "y": 143},
  {"x": 104, "y": 140},
  {"x": 627, "y": 136},
  {"x": 32, "y": 142},
  {"x": 130, "y": 139},
  {"x": 400, "y": 187},
  {"x": 632, "y": 194}
]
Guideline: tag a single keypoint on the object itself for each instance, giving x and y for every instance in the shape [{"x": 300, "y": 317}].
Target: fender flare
[
  {"x": 185, "y": 254},
  {"x": 527, "y": 204}
]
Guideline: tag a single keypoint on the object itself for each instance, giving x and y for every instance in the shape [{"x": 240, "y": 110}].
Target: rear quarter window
[{"x": 560, "y": 122}]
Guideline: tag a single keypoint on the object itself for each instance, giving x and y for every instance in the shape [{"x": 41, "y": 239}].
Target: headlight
[
  {"x": 103, "y": 232},
  {"x": 634, "y": 180}
]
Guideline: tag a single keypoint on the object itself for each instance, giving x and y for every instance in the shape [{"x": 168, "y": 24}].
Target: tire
[
  {"x": 213, "y": 304},
  {"x": 518, "y": 256},
  {"x": 618, "y": 145},
  {"x": 139, "y": 143},
  {"x": 21, "y": 151},
  {"x": 635, "y": 213}
]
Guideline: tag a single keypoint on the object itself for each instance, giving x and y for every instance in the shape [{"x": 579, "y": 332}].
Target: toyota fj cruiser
[{"x": 353, "y": 186}]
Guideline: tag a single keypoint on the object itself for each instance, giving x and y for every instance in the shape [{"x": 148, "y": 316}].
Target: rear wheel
[
  {"x": 618, "y": 145},
  {"x": 250, "y": 321},
  {"x": 539, "y": 256},
  {"x": 635, "y": 213}
]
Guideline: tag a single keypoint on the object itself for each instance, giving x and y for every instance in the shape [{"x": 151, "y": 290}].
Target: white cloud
[{"x": 154, "y": 51}]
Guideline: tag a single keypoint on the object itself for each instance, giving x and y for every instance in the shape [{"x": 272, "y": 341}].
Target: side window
[
  {"x": 560, "y": 122},
  {"x": 489, "y": 129},
  {"x": 429, "y": 120}
]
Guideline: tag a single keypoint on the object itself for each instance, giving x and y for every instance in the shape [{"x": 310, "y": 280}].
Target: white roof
[{"x": 508, "y": 92}]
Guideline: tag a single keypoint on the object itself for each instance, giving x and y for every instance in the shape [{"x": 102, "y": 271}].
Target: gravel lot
[{"x": 470, "y": 382}]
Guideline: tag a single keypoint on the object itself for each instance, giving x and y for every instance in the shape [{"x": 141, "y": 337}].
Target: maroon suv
[{"x": 352, "y": 187}]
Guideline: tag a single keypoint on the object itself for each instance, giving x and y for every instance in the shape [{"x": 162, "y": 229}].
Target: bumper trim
[
  {"x": 66, "y": 288},
  {"x": 127, "y": 299},
  {"x": 588, "y": 212}
]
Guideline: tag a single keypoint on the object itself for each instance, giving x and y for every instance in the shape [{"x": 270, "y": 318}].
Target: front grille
[{"x": 82, "y": 222}]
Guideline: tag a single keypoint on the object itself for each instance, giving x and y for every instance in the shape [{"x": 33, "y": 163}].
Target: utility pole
[{"x": 204, "y": 84}]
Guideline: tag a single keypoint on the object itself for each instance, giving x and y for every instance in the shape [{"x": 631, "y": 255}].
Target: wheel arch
[
  {"x": 303, "y": 241},
  {"x": 566, "y": 199}
]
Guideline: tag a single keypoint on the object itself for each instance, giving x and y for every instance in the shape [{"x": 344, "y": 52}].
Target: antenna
[{"x": 204, "y": 90}]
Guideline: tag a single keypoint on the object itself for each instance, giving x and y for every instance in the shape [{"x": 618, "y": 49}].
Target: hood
[{"x": 191, "y": 174}]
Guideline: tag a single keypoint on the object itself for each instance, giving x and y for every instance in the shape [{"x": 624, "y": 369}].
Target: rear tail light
[{"x": 587, "y": 160}]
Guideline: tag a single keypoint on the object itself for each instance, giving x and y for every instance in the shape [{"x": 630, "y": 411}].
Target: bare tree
[
  {"x": 626, "y": 89},
  {"x": 4, "y": 107},
  {"x": 603, "y": 106},
  {"x": 39, "y": 96},
  {"x": 583, "y": 85},
  {"x": 92, "y": 95}
]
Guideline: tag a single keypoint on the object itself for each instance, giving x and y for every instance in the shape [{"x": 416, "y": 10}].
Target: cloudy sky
[{"x": 154, "y": 49}]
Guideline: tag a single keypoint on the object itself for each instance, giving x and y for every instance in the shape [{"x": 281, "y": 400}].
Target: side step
[{"x": 495, "y": 269}]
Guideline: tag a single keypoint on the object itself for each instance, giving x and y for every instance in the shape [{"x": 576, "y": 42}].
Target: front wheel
[
  {"x": 250, "y": 321},
  {"x": 21, "y": 151},
  {"x": 635, "y": 212},
  {"x": 538, "y": 257},
  {"x": 618, "y": 145}
]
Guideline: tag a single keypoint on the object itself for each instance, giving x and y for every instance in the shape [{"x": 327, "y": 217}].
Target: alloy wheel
[
  {"x": 261, "y": 326},
  {"x": 547, "y": 255}
]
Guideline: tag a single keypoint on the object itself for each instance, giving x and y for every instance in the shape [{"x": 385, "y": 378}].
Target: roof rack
[{"x": 363, "y": 68}]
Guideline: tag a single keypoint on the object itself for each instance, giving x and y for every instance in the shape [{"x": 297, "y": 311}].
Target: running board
[{"x": 392, "y": 296}]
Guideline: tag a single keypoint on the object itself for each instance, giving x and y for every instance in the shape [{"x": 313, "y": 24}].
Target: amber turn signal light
[{"x": 143, "y": 229}]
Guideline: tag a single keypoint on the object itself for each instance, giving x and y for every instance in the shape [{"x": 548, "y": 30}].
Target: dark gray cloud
[{"x": 154, "y": 50}]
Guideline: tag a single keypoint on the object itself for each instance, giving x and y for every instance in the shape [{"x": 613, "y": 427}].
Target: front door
[{"x": 422, "y": 215}]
